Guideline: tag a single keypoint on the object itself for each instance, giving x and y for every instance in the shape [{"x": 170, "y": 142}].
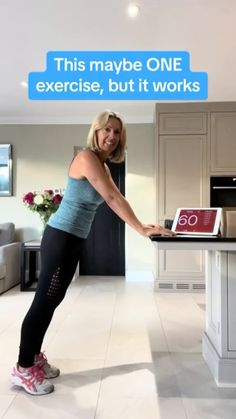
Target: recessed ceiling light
[
  {"x": 24, "y": 84},
  {"x": 133, "y": 10}
]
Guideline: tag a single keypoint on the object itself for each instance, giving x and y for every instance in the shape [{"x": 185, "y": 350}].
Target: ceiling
[{"x": 31, "y": 28}]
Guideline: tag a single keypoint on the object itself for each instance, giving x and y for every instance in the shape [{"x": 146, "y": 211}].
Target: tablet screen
[{"x": 196, "y": 221}]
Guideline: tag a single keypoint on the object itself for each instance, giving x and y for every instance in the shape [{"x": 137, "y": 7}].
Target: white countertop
[{"x": 183, "y": 244}]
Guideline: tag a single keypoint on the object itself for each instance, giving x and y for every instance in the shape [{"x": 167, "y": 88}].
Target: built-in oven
[{"x": 223, "y": 191}]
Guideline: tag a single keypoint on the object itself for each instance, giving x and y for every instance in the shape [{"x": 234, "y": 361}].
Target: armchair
[{"x": 10, "y": 252}]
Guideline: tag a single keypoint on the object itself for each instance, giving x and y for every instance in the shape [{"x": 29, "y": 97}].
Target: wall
[
  {"x": 41, "y": 156},
  {"x": 141, "y": 193}
]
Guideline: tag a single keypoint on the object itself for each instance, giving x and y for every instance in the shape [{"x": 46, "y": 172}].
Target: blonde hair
[{"x": 100, "y": 121}]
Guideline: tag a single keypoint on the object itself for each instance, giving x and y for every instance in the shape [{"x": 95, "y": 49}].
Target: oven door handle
[{"x": 224, "y": 187}]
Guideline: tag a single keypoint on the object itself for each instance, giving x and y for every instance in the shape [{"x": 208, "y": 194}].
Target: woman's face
[{"x": 108, "y": 137}]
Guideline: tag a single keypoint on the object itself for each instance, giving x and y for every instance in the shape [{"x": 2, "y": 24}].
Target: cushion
[{"x": 7, "y": 233}]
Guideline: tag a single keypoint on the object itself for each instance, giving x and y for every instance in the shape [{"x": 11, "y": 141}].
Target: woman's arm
[{"x": 88, "y": 165}]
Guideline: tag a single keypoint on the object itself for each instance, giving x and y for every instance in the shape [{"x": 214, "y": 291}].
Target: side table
[{"x": 29, "y": 264}]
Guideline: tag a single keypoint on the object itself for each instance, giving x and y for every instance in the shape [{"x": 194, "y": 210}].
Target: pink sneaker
[
  {"x": 41, "y": 362},
  {"x": 32, "y": 379}
]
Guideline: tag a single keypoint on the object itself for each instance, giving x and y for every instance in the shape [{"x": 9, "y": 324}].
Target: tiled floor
[{"x": 124, "y": 352}]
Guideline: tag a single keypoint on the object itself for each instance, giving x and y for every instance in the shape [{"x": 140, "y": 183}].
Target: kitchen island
[{"x": 219, "y": 337}]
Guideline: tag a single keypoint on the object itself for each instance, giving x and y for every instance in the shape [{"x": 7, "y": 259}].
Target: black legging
[{"x": 60, "y": 253}]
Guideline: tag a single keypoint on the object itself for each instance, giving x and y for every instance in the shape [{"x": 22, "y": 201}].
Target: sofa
[{"x": 10, "y": 253}]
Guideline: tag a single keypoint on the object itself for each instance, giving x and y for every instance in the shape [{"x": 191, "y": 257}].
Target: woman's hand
[{"x": 156, "y": 229}]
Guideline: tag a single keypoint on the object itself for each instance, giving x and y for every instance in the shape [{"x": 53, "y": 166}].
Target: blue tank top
[{"x": 77, "y": 208}]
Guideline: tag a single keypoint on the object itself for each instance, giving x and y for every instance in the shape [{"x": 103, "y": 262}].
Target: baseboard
[{"x": 222, "y": 369}]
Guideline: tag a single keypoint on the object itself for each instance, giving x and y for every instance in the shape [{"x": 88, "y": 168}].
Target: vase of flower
[{"x": 44, "y": 203}]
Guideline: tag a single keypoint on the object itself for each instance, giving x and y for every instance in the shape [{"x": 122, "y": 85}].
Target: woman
[{"x": 89, "y": 184}]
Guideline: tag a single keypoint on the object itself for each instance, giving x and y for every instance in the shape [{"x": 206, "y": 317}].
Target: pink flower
[
  {"x": 50, "y": 191},
  {"x": 29, "y": 198},
  {"x": 57, "y": 199}
]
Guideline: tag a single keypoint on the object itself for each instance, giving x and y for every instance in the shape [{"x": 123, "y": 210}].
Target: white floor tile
[
  {"x": 5, "y": 403},
  {"x": 69, "y": 405},
  {"x": 195, "y": 380},
  {"x": 131, "y": 380},
  {"x": 127, "y": 408},
  {"x": 6, "y": 367},
  {"x": 210, "y": 408},
  {"x": 183, "y": 321},
  {"x": 172, "y": 408}
]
